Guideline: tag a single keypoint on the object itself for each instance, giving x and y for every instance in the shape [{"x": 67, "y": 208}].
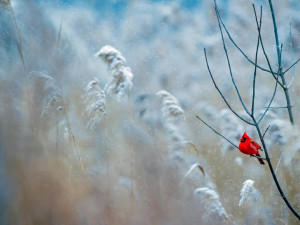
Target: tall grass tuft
[
  {"x": 122, "y": 76},
  {"x": 210, "y": 199},
  {"x": 94, "y": 98},
  {"x": 6, "y": 4}
]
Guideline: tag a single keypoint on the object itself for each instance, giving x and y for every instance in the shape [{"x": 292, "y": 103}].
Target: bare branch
[
  {"x": 280, "y": 107},
  {"x": 218, "y": 133},
  {"x": 291, "y": 66},
  {"x": 228, "y": 63},
  {"x": 255, "y": 67},
  {"x": 241, "y": 118},
  {"x": 266, "y": 131},
  {"x": 233, "y": 42}
]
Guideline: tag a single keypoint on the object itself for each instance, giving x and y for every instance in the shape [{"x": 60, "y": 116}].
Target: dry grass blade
[
  {"x": 195, "y": 149},
  {"x": 194, "y": 166},
  {"x": 7, "y": 5},
  {"x": 59, "y": 35}
]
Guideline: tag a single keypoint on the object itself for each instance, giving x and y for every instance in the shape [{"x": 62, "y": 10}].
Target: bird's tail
[{"x": 261, "y": 161}]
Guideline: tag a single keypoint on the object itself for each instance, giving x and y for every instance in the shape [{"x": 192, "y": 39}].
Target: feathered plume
[
  {"x": 171, "y": 110},
  {"x": 210, "y": 199},
  {"x": 247, "y": 191},
  {"x": 122, "y": 76},
  {"x": 94, "y": 98},
  {"x": 51, "y": 94}
]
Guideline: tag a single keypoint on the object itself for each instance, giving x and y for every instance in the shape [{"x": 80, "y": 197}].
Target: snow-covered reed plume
[
  {"x": 122, "y": 76},
  {"x": 49, "y": 96},
  {"x": 247, "y": 191},
  {"x": 211, "y": 201},
  {"x": 94, "y": 98},
  {"x": 171, "y": 110},
  {"x": 173, "y": 115},
  {"x": 231, "y": 128}
]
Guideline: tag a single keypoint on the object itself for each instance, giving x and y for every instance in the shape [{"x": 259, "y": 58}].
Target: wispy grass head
[
  {"x": 122, "y": 76},
  {"x": 49, "y": 94},
  {"x": 94, "y": 98},
  {"x": 210, "y": 199},
  {"x": 247, "y": 191},
  {"x": 171, "y": 109}
]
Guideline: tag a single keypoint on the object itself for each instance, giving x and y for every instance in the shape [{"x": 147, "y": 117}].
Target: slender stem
[
  {"x": 217, "y": 132},
  {"x": 226, "y": 102},
  {"x": 73, "y": 139},
  {"x": 233, "y": 42},
  {"x": 275, "y": 32},
  {"x": 266, "y": 131},
  {"x": 20, "y": 45},
  {"x": 258, "y": 208},
  {"x": 267, "y": 58},
  {"x": 255, "y": 67},
  {"x": 228, "y": 63},
  {"x": 131, "y": 146},
  {"x": 286, "y": 92},
  {"x": 272, "y": 170},
  {"x": 279, "y": 161},
  {"x": 291, "y": 66},
  {"x": 263, "y": 48},
  {"x": 279, "y": 107}
]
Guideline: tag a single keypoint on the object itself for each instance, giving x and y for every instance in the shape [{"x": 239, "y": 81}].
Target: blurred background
[{"x": 134, "y": 166}]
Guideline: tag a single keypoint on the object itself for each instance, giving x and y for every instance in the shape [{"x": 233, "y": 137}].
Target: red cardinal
[{"x": 250, "y": 147}]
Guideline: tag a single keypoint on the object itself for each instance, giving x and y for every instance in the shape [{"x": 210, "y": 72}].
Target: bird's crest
[{"x": 245, "y": 135}]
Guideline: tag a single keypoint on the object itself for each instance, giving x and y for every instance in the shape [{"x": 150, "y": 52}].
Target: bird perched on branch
[{"x": 250, "y": 147}]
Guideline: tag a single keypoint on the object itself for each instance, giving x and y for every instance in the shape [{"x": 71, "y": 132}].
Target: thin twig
[
  {"x": 263, "y": 48},
  {"x": 19, "y": 43},
  {"x": 259, "y": 157},
  {"x": 233, "y": 42},
  {"x": 292, "y": 56},
  {"x": 279, "y": 161},
  {"x": 59, "y": 35},
  {"x": 73, "y": 139},
  {"x": 291, "y": 66},
  {"x": 217, "y": 132},
  {"x": 255, "y": 67},
  {"x": 228, "y": 63},
  {"x": 266, "y": 131},
  {"x": 286, "y": 92},
  {"x": 266, "y": 56},
  {"x": 226, "y": 102},
  {"x": 279, "y": 107}
]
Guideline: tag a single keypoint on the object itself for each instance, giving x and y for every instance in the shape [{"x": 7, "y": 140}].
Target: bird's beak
[{"x": 241, "y": 139}]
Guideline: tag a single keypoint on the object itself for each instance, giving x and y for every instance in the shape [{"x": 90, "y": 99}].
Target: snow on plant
[
  {"x": 122, "y": 76},
  {"x": 210, "y": 199},
  {"x": 94, "y": 98},
  {"x": 172, "y": 114},
  {"x": 51, "y": 94},
  {"x": 171, "y": 110},
  {"x": 247, "y": 191}
]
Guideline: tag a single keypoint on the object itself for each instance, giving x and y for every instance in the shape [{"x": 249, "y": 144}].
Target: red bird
[{"x": 250, "y": 147}]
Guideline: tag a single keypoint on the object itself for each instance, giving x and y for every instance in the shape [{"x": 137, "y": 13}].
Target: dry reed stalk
[
  {"x": 248, "y": 192},
  {"x": 119, "y": 85},
  {"x": 52, "y": 97},
  {"x": 6, "y": 4}
]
